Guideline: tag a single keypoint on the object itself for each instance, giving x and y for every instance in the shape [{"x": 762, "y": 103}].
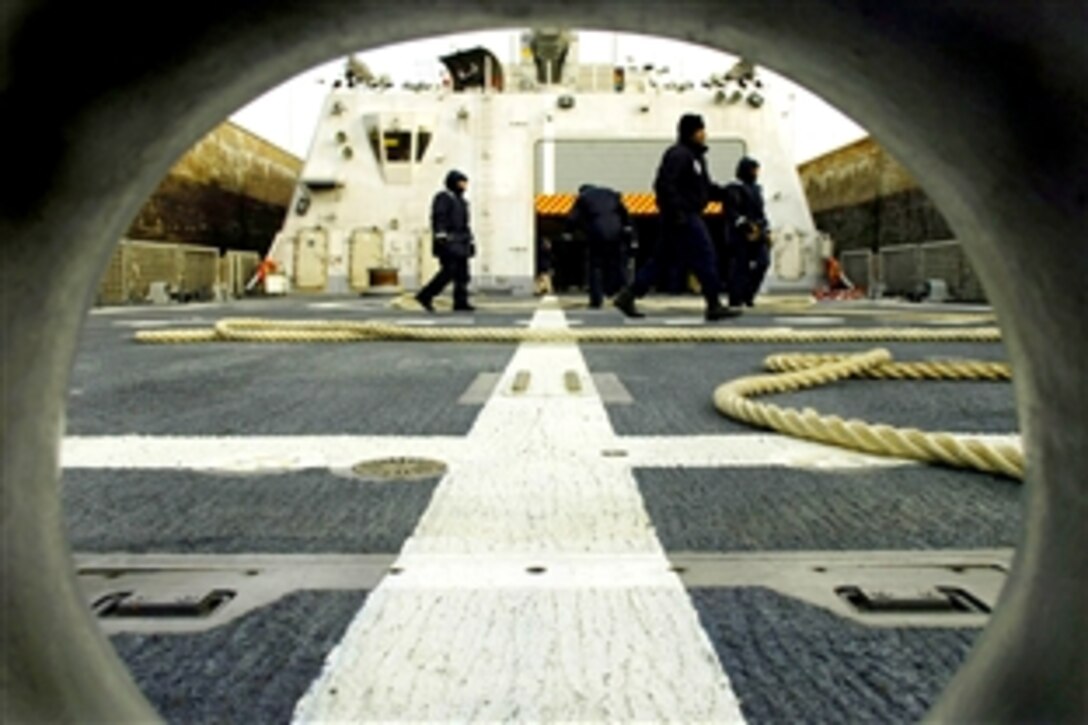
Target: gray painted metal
[
  {"x": 931, "y": 81},
  {"x": 857, "y": 264},
  {"x": 260, "y": 580},
  {"x": 624, "y": 165},
  {"x": 904, "y": 267},
  {"x": 814, "y": 576},
  {"x": 257, "y": 579},
  {"x": 901, "y": 268}
]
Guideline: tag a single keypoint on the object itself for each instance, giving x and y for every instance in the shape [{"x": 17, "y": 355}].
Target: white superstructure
[{"x": 379, "y": 154}]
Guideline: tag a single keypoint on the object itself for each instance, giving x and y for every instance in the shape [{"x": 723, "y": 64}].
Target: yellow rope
[
  {"x": 808, "y": 371},
  {"x": 795, "y": 372},
  {"x": 295, "y": 331},
  {"x": 930, "y": 370}
]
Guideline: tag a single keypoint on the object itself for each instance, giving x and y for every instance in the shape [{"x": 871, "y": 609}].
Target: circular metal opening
[{"x": 917, "y": 75}]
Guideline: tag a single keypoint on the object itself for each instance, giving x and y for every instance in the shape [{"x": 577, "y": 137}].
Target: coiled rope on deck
[
  {"x": 336, "y": 331},
  {"x": 809, "y": 371},
  {"x": 793, "y": 372}
]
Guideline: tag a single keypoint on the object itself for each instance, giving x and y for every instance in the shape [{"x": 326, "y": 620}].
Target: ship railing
[
  {"x": 903, "y": 270},
  {"x": 142, "y": 271}
]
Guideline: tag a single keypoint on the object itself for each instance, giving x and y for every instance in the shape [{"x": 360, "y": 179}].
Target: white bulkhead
[{"x": 379, "y": 155}]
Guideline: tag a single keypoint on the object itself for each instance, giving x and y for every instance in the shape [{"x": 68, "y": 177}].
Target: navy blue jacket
[
  {"x": 451, "y": 234},
  {"x": 683, "y": 184},
  {"x": 744, "y": 208},
  {"x": 600, "y": 214}
]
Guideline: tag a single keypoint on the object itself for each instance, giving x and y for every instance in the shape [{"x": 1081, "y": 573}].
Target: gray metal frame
[
  {"x": 930, "y": 80},
  {"x": 903, "y": 267},
  {"x": 857, "y": 265},
  {"x": 592, "y": 173},
  {"x": 900, "y": 268}
]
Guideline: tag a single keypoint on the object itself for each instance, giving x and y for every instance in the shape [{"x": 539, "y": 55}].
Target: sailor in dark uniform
[
  {"x": 601, "y": 217},
  {"x": 746, "y": 234},
  {"x": 452, "y": 243},
  {"x": 683, "y": 188}
]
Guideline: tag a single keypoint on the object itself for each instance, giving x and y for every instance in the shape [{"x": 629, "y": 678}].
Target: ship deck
[{"x": 615, "y": 550}]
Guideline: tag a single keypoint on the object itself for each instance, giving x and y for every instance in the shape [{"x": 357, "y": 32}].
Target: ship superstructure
[{"x": 527, "y": 134}]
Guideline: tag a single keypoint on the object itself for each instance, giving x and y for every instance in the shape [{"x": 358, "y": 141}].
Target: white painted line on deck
[
  {"x": 141, "y": 324},
  {"x": 415, "y": 322},
  {"x": 440, "y": 319},
  {"x": 152, "y": 308},
  {"x": 534, "y": 587},
  {"x": 356, "y": 305},
  {"x": 293, "y": 453},
  {"x": 247, "y": 453},
  {"x": 810, "y": 320},
  {"x": 682, "y": 321},
  {"x": 758, "y": 450}
]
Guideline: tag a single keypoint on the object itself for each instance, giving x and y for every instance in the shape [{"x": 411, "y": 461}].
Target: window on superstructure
[{"x": 398, "y": 146}]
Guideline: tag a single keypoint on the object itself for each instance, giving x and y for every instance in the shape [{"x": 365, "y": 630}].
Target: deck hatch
[
  {"x": 184, "y": 606},
  {"x": 953, "y": 600}
]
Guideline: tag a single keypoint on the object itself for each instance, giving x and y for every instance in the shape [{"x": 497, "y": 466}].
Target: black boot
[
  {"x": 625, "y": 303},
  {"x": 463, "y": 307},
  {"x": 424, "y": 302},
  {"x": 715, "y": 312}
]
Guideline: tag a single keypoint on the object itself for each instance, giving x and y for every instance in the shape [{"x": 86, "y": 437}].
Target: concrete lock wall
[
  {"x": 230, "y": 190},
  {"x": 934, "y": 82},
  {"x": 887, "y": 232},
  {"x": 865, "y": 199}
]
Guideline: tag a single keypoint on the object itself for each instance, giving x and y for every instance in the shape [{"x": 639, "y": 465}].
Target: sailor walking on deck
[
  {"x": 683, "y": 188},
  {"x": 452, "y": 243},
  {"x": 746, "y": 234},
  {"x": 601, "y": 217}
]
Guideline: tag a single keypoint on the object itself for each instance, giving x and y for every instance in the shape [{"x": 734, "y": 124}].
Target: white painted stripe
[
  {"x": 287, "y": 453},
  {"x": 248, "y": 454},
  {"x": 605, "y": 632},
  {"x": 809, "y": 320},
  {"x": 146, "y": 308},
  {"x": 746, "y": 451},
  {"x": 682, "y": 321},
  {"x": 444, "y": 320},
  {"x": 141, "y": 324},
  {"x": 415, "y": 322}
]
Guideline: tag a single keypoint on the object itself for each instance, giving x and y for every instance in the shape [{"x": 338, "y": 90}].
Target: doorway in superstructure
[{"x": 627, "y": 165}]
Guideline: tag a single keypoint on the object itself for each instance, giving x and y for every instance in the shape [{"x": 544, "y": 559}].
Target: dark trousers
[
  {"x": 748, "y": 263},
  {"x": 607, "y": 270},
  {"x": 454, "y": 269},
  {"x": 695, "y": 251}
]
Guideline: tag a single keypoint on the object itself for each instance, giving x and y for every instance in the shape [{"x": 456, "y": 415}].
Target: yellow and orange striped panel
[{"x": 638, "y": 204}]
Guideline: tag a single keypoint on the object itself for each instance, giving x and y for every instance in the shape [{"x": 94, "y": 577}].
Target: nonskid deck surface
[{"x": 602, "y": 545}]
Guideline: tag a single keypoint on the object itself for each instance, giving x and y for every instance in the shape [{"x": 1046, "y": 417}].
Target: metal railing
[
  {"x": 904, "y": 269},
  {"x": 857, "y": 265},
  {"x": 186, "y": 271}
]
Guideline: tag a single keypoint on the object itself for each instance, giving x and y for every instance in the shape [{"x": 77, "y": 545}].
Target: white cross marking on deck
[
  {"x": 604, "y": 631},
  {"x": 278, "y": 454}
]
